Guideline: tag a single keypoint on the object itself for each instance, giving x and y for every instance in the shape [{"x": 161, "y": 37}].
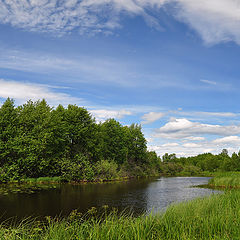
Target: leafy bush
[
  {"x": 191, "y": 170},
  {"x": 106, "y": 169},
  {"x": 171, "y": 168},
  {"x": 79, "y": 168},
  {"x": 9, "y": 173}
]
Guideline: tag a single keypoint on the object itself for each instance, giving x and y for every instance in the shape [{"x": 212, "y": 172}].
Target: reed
[{"x": 226, "y": 180}]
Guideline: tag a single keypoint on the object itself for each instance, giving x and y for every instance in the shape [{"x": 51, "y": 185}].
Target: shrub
[
  {"x": 106, "y": 169},
  {"x": 79, "y": 168}
]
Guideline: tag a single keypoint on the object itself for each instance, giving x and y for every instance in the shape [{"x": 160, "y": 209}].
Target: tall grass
[
  {"x": 42, "y": 180},
  {"x": 226, "y": 180},
  {"x": 215, "y": 217}
]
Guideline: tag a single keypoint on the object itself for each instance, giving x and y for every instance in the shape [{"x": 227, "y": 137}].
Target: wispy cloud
[
  {"x": 182, "y": 148},
  {"x": 170, "y": 145},
  {"x": 196, "y": 115},
  {"x": 183, "y": 128},
  {"x": 215, "y": 21},
  {"x": 151, "y": 117},
  {"x": 208, "y": 82},
  {"x": 192, "y": 138},
  {"x": 103, "y": 114},
  {"x": 82, "y": 69},
  {"x": 23, "y": 91},
  {"x": 86, "y": 69},
  {"x": 230, "y": 140},
  {"x": 217, "y": 114},
  {"x": 60, "y": 17}
]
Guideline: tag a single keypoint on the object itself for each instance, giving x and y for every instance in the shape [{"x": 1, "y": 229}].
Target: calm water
[{"x": 138, "y": 195}]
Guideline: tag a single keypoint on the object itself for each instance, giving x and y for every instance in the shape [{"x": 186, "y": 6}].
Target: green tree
[
  {"x": 169, "y": 158},
  {"x": 8, "y": 132},
  {"x": 137, "y": 144},
  {"x": 34, "y": 138},
  {"x": 80, "y": 128},
  {"x": 113, "y": 141}
]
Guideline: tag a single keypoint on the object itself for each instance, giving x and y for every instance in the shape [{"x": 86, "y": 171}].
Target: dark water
[{"x": 140, "y": 196}]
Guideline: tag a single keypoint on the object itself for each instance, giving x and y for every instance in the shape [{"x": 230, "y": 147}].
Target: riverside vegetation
[
  {"x": 211, "y": 218},
  {"x": 42, "y": 144},
  {"x": 37, "y": 141}
]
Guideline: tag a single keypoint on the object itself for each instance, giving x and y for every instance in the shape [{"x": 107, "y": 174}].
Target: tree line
[
  {"x": 201, "y": 163},
  {"x": 37, "y": 140}
]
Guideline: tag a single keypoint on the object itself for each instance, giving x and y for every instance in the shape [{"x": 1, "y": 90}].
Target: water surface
[{"x": 141, "y": 196}]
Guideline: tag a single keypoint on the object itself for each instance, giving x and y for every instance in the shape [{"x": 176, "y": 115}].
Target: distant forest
[{"x": 37, "y": 140}]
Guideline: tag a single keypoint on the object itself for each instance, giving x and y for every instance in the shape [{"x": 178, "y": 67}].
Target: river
[{"x": 140, "y": 196}]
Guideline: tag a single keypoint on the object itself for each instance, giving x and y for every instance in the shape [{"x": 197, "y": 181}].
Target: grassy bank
[
  {"x": 226, "y": 180},
  {"x": 31, "y": 185},
  {"x": 195, "y": 174},
  {"x": 43, "y": 180},
  {"x": 116, "y": 178},
  {"x": 214, "y": 217}
]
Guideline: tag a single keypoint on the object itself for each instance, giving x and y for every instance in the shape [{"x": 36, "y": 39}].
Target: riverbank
[
  {"x": 227, "y": 180},
  {"x": 213, "y": 217},
  {"x": 54, "y": 180},
  {"x": 32, "y": 185}
]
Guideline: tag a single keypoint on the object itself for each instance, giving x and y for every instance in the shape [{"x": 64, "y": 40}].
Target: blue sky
[{"x": 170, "y": 65}]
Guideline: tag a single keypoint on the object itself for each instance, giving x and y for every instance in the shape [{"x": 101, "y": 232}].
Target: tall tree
[
  {"x": 8, "y": 131},
  {"x": 113, "y": 137}
]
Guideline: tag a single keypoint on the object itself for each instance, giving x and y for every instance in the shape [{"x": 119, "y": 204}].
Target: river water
[{"x": 139, "y": 196}]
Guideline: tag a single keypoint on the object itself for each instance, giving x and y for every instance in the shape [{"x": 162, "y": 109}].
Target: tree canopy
[{"x": 38, "y": 140}]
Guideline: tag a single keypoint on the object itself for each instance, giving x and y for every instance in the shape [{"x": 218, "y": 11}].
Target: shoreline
[
  {"x": 213, "y": 217},
  {"x": 54, "y": 180}
]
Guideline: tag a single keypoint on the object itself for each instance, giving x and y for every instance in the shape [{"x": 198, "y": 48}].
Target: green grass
[
  {"x": 30, "y": 185},
  {"x": 214, "y": 217},
  {"x": 200, "y": 174},
  {"x": 226, "y": 180},
  {"x": 41, "y": 180}
]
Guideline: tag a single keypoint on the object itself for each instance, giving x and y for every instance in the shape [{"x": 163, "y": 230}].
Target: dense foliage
[
  {"x": 206, "y": 162},
  {"x": 37, "y": 141}
]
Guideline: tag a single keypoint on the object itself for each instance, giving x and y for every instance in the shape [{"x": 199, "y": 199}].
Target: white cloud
[
  {"x": 217, "y": 114},
  {"x": 195, "y": 138},
  {"x": 188, "y": 139},
  {"x": 207, "y": 114},
  {"x": 82, "y": 69},
  {"x": 215, "y": 20},
  {"x": 59, "y": 17},
  {"x": 149, "y": 140},
  {"x": 193, "y": 149},
  {"x": 182, "y": 128},
  {"x": 190, "y": 145},
  {"x": 233, "y": 140},
  {"x": 219, "y": 117},
  {"x": 152, "y": 117},
  {"x": 86, "y": 69},
  {"x": 208, "y": 82},
  {"x": 182, "y": 151},
  {"x": 22, "y": 92},
  {"x": 103, "y": 114},
  {"x": 170, "y": 145}
]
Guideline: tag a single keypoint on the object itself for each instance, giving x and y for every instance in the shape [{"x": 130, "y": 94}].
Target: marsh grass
[
  {"x": 42, "y": 180},
  {"x": 214, "y": 217},
  {"x": 226, "y": 180},
  {"x": 30, "y": 185}
]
